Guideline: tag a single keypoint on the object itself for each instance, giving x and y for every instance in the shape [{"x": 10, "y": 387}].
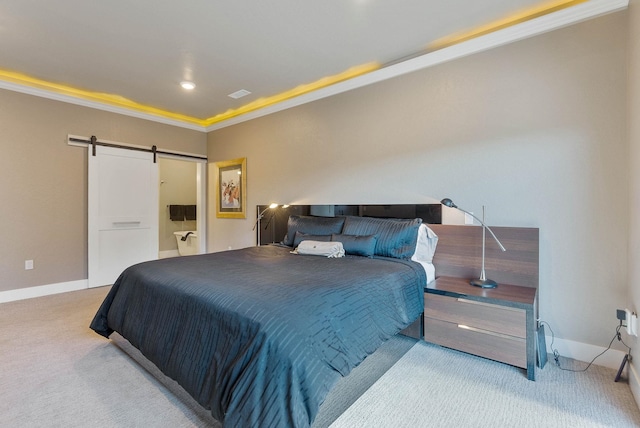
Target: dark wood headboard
[
  {"x": 459, "y": 253},
  {"x": 459, "y": 250},
  {"x": 274, "y": 224}
]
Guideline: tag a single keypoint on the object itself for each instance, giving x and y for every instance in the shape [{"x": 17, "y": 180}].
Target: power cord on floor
[{"x": 556, "y": 354}]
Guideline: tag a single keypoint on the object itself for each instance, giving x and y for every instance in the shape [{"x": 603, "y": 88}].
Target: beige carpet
[
  {"x": 438, "y": 387},
  {"x": 55, "y": 372}
]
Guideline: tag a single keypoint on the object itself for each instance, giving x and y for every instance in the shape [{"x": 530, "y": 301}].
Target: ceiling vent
[{"x": 239, "y": 94}]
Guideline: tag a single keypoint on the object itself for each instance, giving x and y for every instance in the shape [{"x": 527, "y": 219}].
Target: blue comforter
[{"x": 259, "y": 335}]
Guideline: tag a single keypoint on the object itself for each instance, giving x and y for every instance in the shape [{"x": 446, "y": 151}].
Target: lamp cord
[{"x": 556, "y": 354}]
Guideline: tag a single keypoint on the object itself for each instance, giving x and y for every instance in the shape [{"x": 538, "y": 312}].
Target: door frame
[{"x": 201, "y": 198}]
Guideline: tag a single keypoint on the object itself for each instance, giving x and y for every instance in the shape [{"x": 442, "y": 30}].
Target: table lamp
[
  {"x": 482, "y": 281},
  {"x": 260, "y": 216}
]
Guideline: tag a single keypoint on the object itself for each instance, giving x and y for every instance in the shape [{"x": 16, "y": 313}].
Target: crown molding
[
  {"x": 52, "y": 95},
  {"x": 553, "y": 21}
]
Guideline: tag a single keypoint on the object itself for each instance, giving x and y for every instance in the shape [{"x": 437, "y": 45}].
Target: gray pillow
[
  {"x": 396, "y": 237},
  {"x": 357, "y": 245},
  {"x": 299, "y": 237},
  {"x": 311, "y": 226}
]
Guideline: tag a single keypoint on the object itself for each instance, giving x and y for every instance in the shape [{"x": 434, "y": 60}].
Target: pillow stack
[{"x": 363, "y": 236}]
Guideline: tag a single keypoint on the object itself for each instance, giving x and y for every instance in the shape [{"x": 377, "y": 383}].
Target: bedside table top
[{"x": 504, "y": 293}]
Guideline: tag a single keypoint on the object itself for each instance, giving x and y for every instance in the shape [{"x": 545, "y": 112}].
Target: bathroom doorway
[{"x": 181, "y": 205}]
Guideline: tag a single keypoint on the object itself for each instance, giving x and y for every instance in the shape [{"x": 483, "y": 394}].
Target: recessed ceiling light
[
  {"x": 239, "y": 94},
  {"x": 187, "y": 85}
]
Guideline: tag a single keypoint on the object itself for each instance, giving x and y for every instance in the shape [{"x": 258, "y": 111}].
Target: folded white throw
[{"x": 319, "y": 248}]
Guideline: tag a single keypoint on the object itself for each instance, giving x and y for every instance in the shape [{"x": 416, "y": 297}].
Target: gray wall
[
  {"x": 43, "y": 185},
  {"x": 634, "y": 181},
  {"x": 535, "y": 130}
]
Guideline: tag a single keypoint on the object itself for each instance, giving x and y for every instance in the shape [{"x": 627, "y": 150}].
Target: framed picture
[{"x": 231, "y": 189}]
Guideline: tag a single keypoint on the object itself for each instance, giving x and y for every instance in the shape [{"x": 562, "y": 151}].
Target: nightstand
[{"x": 497, "y": 323}]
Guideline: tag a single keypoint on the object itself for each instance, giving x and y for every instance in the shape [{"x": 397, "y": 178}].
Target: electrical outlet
[
  {"x": 634, "y": 324},
  {"x": 28, "y": 264}
]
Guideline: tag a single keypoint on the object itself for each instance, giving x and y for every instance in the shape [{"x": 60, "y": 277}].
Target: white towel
[{"x": 318, "y": 248}]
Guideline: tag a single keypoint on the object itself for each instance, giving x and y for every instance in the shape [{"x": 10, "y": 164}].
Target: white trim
[
  {"x": 634, "y": 382},
  {"x": 534, "y": 27},
  {"x": 201, "y": 206},
  {"x": 43, "y": 93},
  {"x": 585, "y": 352},
  {"x": 42, "y": 290}
]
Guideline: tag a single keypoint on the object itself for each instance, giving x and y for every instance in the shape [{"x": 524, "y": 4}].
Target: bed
[{"x": 260, "y": 335}]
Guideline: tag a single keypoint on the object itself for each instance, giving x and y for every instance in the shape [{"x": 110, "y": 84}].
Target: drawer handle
[
  {"x": 125, "y": 223},
  {"x": 490, "y": 305},
  {"x": 490, "y": 333}
]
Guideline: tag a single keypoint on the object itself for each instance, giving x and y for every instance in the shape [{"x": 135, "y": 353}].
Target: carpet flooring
[
  {"x": 56, "y": 372},
  {"x": 437, "y": 387}
]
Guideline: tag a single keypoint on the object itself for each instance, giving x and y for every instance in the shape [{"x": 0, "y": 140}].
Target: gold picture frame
[{"x": 231, "y": 188}]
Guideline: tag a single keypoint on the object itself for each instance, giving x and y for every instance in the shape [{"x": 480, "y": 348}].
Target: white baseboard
[
  {"x": 42, "y": 290},
  {"x": 585, "y": 352},
  {"x": 634, "y": 382}
]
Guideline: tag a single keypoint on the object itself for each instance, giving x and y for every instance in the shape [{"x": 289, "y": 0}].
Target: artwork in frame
[{"x": 231, "y": 188}]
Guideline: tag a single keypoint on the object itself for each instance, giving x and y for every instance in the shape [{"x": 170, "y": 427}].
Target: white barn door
[{"x": 123, "y": 212}]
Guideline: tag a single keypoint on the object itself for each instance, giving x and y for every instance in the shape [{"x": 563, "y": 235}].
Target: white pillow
[
  {"x": 426, "y": 245},
  {"x": 320, "y": 248},
  {"x": 429, "y": 269}
]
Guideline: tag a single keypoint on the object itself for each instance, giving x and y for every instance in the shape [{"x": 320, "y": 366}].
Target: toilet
[{"x": 190, "y": 245}]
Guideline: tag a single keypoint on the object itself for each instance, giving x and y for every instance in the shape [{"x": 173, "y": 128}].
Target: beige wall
[
  {"x": 634, "y": 181},
  {"x": 534, "y": 130},
  {"x": 177, "y": 187},
  {"x": 43, "y": 190}
]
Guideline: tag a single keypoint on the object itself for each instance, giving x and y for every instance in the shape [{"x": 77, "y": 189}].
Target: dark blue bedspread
[{"x": 259, "y": 335}]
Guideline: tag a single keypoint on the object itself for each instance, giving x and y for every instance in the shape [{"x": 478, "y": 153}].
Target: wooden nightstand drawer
[
  {"x": 496, "y": 323},
  {"x": 499, "y": 347},
  {"x": 484, "y": 316}
]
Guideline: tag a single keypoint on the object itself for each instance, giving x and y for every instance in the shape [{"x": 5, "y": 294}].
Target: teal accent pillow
[
  {"x": 396, "y": 237},
  {"x": 357, "y": 245},
  {"x": 311, "y": 226}
]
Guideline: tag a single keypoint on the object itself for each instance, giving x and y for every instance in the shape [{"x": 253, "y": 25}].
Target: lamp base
[{"x": 483, "y": 283}]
